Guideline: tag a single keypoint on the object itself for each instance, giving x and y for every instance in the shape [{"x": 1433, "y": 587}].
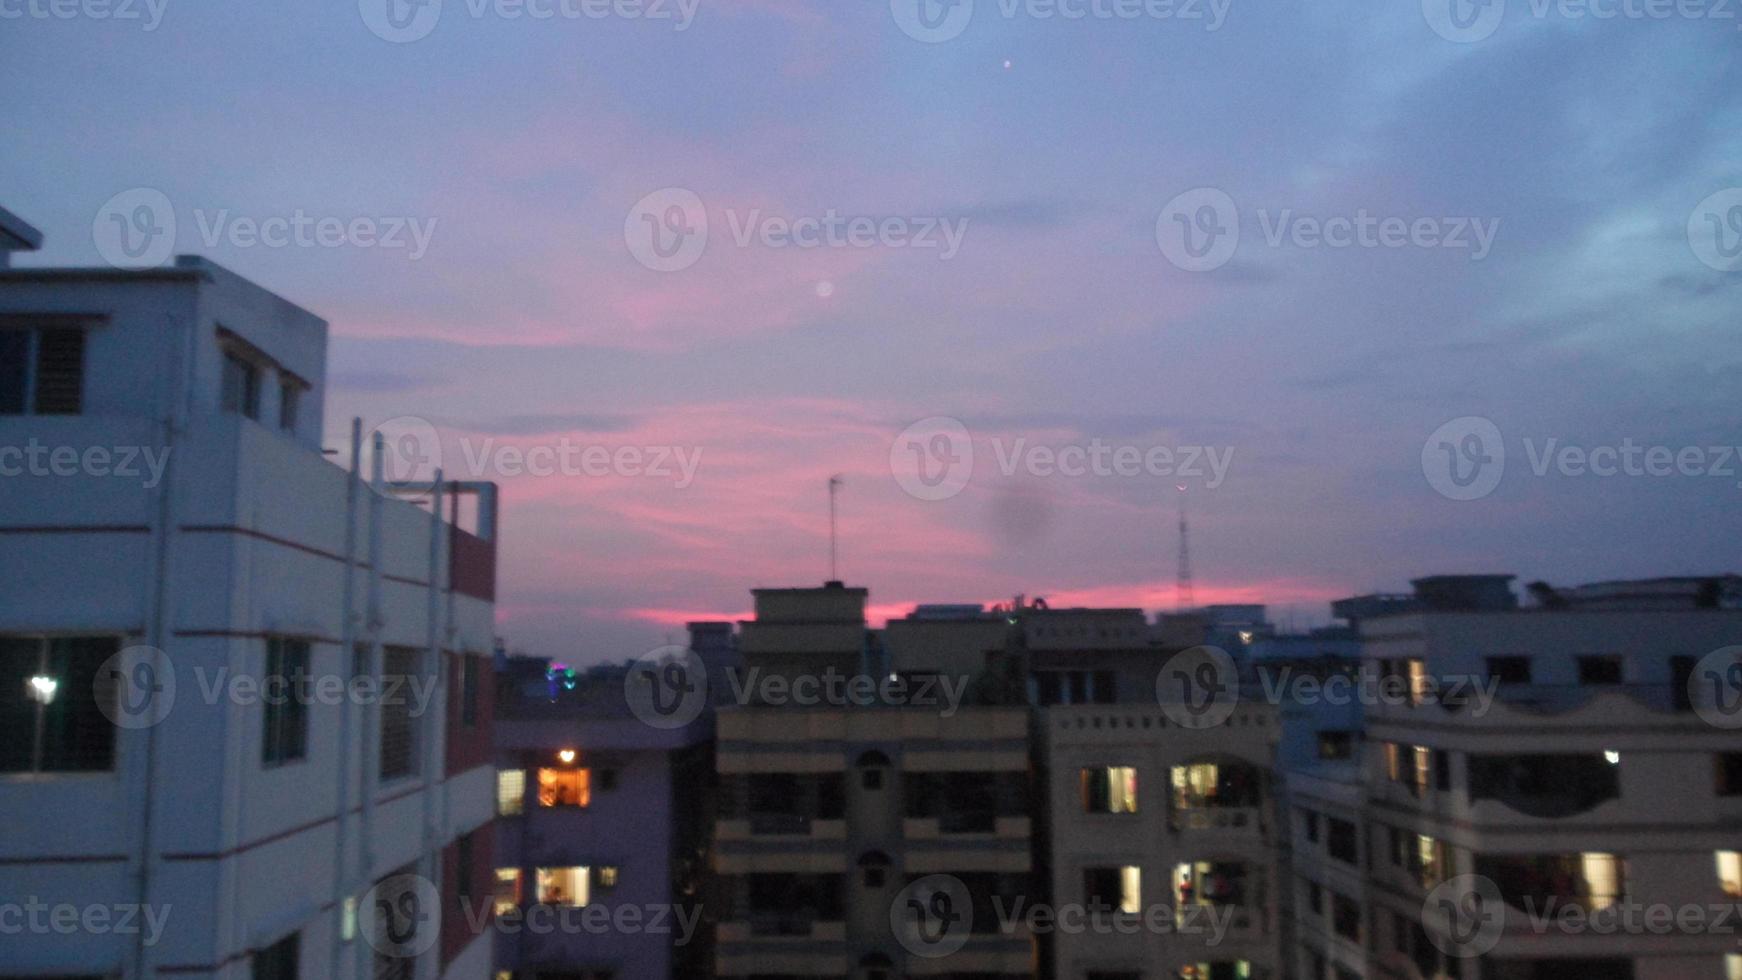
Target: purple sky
[{"x": 1591, "y": 148}]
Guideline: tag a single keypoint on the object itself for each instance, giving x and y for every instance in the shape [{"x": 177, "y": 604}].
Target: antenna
[
  {"x": 1183, "y": 597},
  {"x": 835, "y": 484}
]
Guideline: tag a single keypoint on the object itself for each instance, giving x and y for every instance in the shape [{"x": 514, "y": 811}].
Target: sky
[{"x": 980, "y": 261}]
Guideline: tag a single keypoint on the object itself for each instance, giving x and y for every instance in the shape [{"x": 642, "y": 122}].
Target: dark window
[
  {"x": 1442, "y": 770},
  {"x": 289, "y": 399},
  {"x": 1604, "y": 669},
  {"x": 606, "y": 779},
  {"x": 1681, "y": 669},
  {"x": 1103, "y": 889},
  {"x": 1336, "y": 745},
  {"x": 1346, "y": 917},
  {"x": 42, "y": 370},
  {"x": 53, "y": 703},
  {"x": 1340, "y": 841},
  {"x": 1316, "y": 898},
  {"x": 398, "y": 725},
  {"x": 1730, "y": 774},
  {"x": 241, "y": 387},
  {"x": 469, "y": 692},
  {"x": 1310, "y": 822},
  {"x": 285, "y": 738},
  {"x": 278, "y": 961},
  {"x": 1106, "y": 687},
  {"x": 874, "y": 877},
  {"x": 463, "y": 883},
  {"x": 1509, "y": 670},
  {"x": 1399, "y": 847}
]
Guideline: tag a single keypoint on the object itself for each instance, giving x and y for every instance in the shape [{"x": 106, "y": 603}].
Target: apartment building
[
  {"x": 244, "y": 692},
  {"x": 1159, "y": 838},
  {"x": 601, "y": 830},
  {"x": 875, "y": 795},
  {"x": 1560, "y": 755}
]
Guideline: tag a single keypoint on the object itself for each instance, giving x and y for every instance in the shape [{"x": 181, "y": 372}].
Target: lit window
[
  {"x": 55, "y": 705},
  {"x": 1733, "y": 966},
  {"x": 565, "y": 787},
  {"x": 1109, "y": 789},
  {"x": 507, "y": 890},
  {"x": 563, "y": 886},
  {"x": 348, "y": 919},
  {"x": 511, "y": 792},
  {"x": 1113, "y": 888},
  {"x": 1730, "y": 872},
  {"x": 608, "y": 877}
]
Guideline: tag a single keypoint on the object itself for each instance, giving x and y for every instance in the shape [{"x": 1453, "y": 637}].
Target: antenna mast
[
  {"x": 1183, "y": 597},
  {"x": 835, "y": 483}
]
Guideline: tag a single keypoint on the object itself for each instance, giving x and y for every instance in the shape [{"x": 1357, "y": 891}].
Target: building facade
[{"x": 244, "y": 692}]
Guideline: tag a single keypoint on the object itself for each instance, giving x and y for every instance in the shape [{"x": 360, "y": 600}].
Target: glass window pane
[{"x": 14, "y": 363}]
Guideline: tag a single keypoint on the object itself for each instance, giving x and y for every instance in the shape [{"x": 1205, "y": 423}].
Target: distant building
[
  {"x": 601, "y": 822},
  {"x": 238, "y": 685}
]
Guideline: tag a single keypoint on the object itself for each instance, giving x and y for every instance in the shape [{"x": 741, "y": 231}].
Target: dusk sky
[{"x": 1571, "y": 186}]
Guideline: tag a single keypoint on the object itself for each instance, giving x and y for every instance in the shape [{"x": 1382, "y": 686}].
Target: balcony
[
  {"x": 1589, "y": 881},
  {"x": 1216, "y": 796},
  {"x": 1547, "y": 786}
]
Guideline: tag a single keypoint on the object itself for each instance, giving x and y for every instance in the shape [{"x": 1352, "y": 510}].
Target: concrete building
[
  {"x": 238, "y": 686},
  {"x": 840, "y": 801},
  {"x": 1556, "y": 752},
  {"x": 601, "y": 831}
]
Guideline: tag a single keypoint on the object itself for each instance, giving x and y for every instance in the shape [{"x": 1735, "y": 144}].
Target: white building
[{"x": 175, "y": 553}]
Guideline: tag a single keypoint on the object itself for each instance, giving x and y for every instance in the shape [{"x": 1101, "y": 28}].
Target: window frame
[
  {"x": 284, "y": 714},
  {"x": 33, "y": 329}
]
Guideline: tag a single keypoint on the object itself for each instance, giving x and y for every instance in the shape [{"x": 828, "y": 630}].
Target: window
[
  {"x": 52, "y": 703},
  {"x": 282, "y": 687},
  {"x": 468, "y": 691},
  {"x": 1604, "y": 669},
  {"x": 1316, "y": 897},
  {"x": 1107, "y": 889},
  {"x": 399, "y": 672},
  {"x": 1681, "y": 670},
  {"x": 278, "y": 961},
  {"x": 241, "y": 386},
  {"x": 874, "y": 877},
  {"x": 1335, "y": 746},
  {"x": 510, "y": 792},
  {"x": 1428, "y": 861},
  {"x": 1730, "y": 872},
  {"x": 1729, "y": 774},
  {"x": 1733, "y": 966},
  {"x": 348, "y": 919},
  {"x": 565, "y": 787},
  {"x": 1399, "y": 847},
  {"x": 42, "y": 371},
  {"x": 1109, "y": 789},
  {"x": 1420, "y": 684},
  {"x": 289, "y": 399},
  {"x": 1509, "y": 670},
  {"x": 871, "y": 779},
  {"x": 564, "y": 886},
  {"x": 463, "y": 883},
  {"x": 607, "y": 780},
  {"x": 1442, "y": 771},
  {"x": 507, "y": 890},
  {"x": 608, "y": 876},
  {"x": 1346, "y": 917},
  {"x": 1309, "y": 821},
  {"x": 1340, "y": 841}
]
